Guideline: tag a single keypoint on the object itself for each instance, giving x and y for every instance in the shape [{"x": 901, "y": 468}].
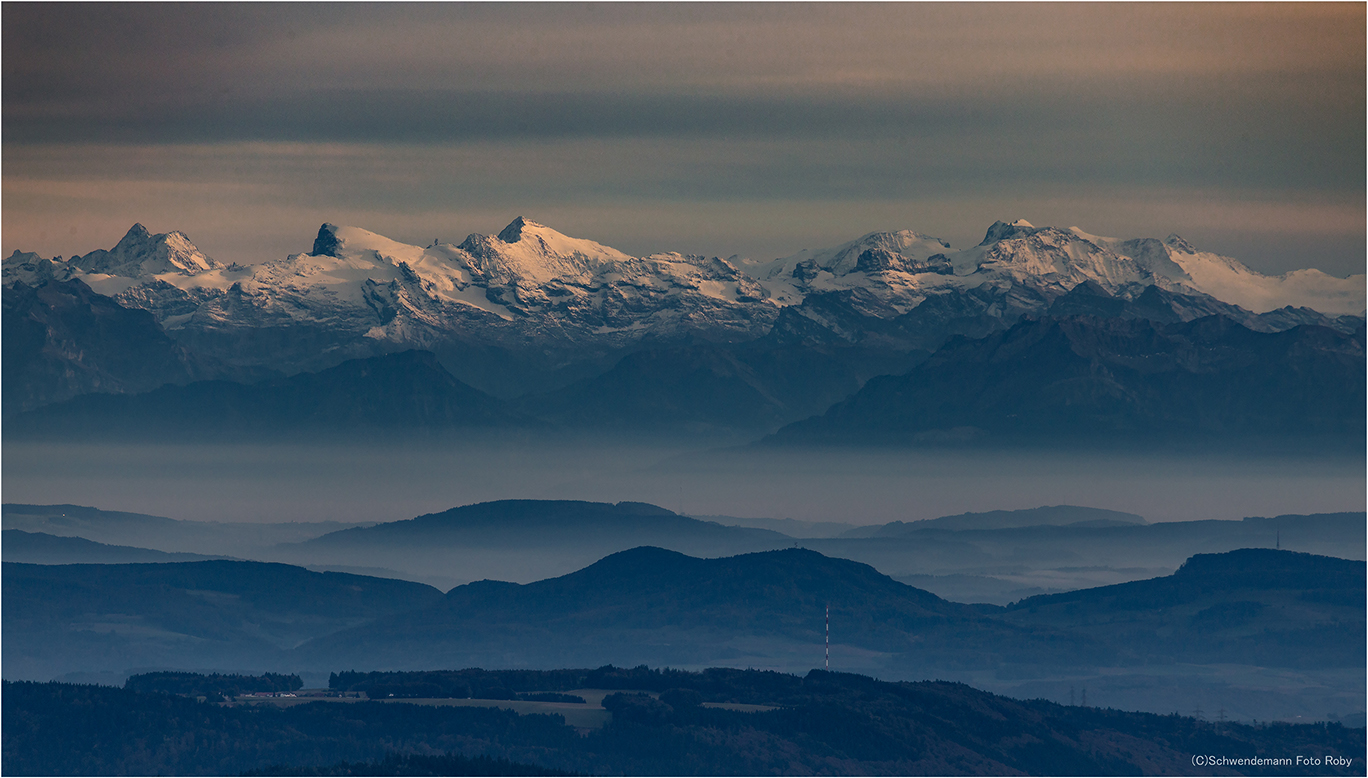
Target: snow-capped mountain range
[
  {"x": 907, "y": 267},
  {"x": 531, "y": 286}
]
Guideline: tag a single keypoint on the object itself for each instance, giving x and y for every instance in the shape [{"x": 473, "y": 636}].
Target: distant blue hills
[{"x": 1258, "y": 606}]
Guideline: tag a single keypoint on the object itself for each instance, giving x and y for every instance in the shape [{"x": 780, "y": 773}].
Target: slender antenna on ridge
[{"x": 828, "y": 637}]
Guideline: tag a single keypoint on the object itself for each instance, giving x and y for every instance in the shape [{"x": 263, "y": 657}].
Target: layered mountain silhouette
[
  {"x": 1003, "y": 565},
  {"x": 1053, "y": 515},
  {"x": 522, "y": 540},
  {"x": 1258, "y": 608},
  {"x": 656, "y": 606},
  {"x": 993, "y": 557},
  {"x": 109, "y": 617},
  {"x": 44, "y": 549},
  {"x": 663, "y": 606},
  {"x": 1255, "y": 606},
  {"x": 120, "y": 528},
  {"x": 751, "y": 387},
  {"x": 409, "y": 392},
  {"x": 531, "y": 523},
  {"x": 62, "y": 339},
  {"x": 1114, "y": 381}
]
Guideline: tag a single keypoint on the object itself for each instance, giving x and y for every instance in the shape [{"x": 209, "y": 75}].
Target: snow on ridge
[
  {"x": 1230, "y": 281},
  {"x": 891, "y": 257},
  {"x": 140, "y": 253},
  {"x": 529, "y": 272},
  {"x": 353, "y": 241},
  {"x": 549, "y": 240},
  {"x": 534, "y": 252}
]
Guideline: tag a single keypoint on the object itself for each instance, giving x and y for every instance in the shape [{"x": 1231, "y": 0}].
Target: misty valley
[{"x": 1265, "y": 623}]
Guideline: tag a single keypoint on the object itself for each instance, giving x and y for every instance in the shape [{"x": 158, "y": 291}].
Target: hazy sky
[{"x": 717, "y": 129}]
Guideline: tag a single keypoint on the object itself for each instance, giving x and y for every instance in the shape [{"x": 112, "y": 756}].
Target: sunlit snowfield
[{"x": 388, "y": 482}]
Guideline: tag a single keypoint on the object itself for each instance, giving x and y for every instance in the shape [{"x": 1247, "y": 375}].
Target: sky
[{"x": 717, "y": 129}]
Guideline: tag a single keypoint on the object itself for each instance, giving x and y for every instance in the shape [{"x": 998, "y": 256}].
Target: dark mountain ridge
[
  {"x": 61, "y": 339},
  {"x": 1114, "y": 383},
  {"x": 1024, "y": 561},
  {"x": 244, "y": 539},
  {"x": 650, "y": 603},
  {"x": 754, "y": 386},
  {"x": 1253, "y": 606},
  {"x": 111, "y": 617},
  {"x": 824, "y": 723},
  {"x": 408, "y": 392},
  {"x": 41, "y": 548},
  {"x": 532, "y": 523},
  {"x": 1107, "y": 374},
  {"x": 1052, "y": 515},
  {"x": 523, "y": 540},
  {"x": 1261, "y": 608},
  {"x": 1179, "y": 641}
]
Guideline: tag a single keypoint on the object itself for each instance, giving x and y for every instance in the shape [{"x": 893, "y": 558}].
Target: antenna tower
[{"x": 828, "y": 637}]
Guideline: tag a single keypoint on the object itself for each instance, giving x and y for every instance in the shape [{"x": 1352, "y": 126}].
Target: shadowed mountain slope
[
  {"x": 59, "y": 618},
  {"x": 1114, "y": 382},
  {"x": 649, "y": 604},
  {"x": 43, "y": 549},
  {"x": 1256, "y": 609},
  {"x": 1025, "y": 561},
  {"x": 756, "y": 386},
  {"x": 409, "y": 392},
  {"x": 1255, "y": 606},
  {"x": 121, "y": 528},
  {"x": 62, "y": 339}
]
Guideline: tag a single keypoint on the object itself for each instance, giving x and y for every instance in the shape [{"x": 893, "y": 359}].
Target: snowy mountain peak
[
  {"x": 29, "y": 268},
  {"x": 1004, "y": 231},
  {"x": 543, "y": 239},
  {"x": 534, "y": 252},
  {"x": 140, "y": 253},
  {"x": 513, "y": 232},
  {"x": 1178, "y": 244},
  {"x": 326, "y": 244},
  {"x": 136, "y": 235}
]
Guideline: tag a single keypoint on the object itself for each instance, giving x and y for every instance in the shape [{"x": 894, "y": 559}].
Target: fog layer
[{"x": 387, "y": 482}]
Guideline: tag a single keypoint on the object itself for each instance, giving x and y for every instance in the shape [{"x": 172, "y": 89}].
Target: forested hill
[{"x": 823, "y": 723}]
